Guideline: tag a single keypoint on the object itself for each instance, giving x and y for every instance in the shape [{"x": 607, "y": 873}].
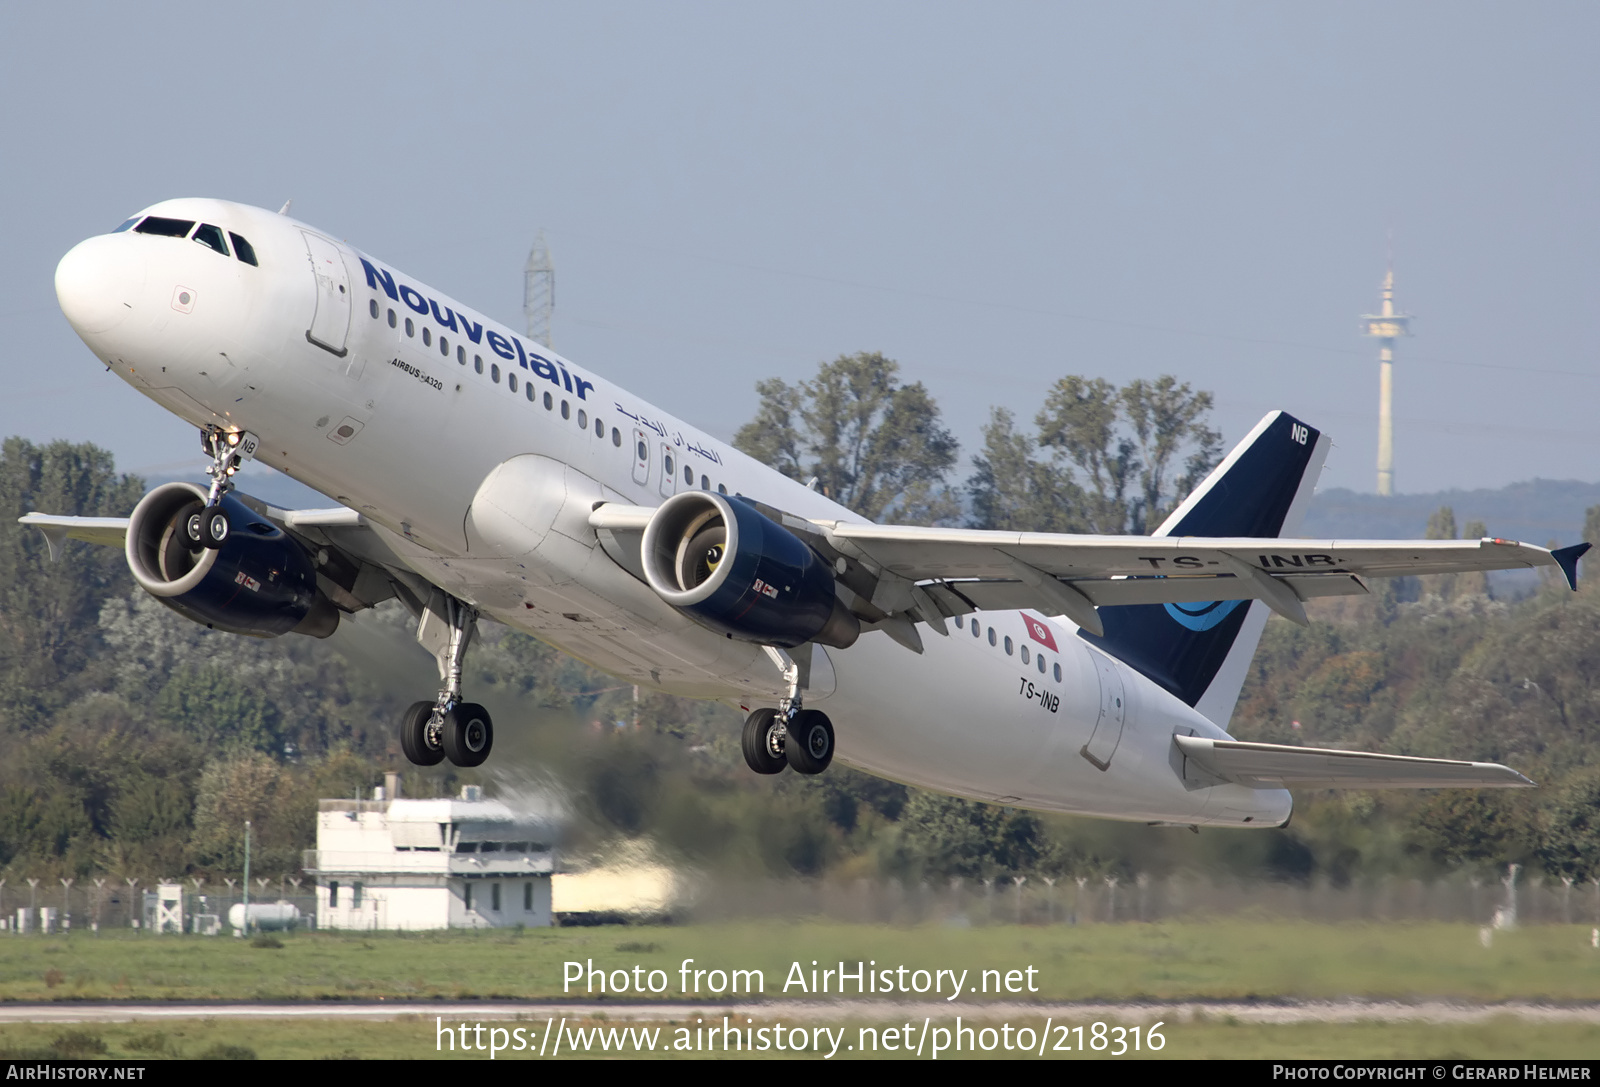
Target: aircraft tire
[
  {"x": 810, "y": 742},
  {"x": 760, "y": 754},
  {"x": 468, "y": 734},
  {"x": 414, "y": 736},
  {"x": 215, "y": 529}
]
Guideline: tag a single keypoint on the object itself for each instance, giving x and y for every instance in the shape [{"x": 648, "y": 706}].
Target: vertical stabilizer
[{"x": 1201, "y": 652}]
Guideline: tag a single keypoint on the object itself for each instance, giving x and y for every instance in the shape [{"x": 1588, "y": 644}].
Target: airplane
[{"x": 479, "y": 475}]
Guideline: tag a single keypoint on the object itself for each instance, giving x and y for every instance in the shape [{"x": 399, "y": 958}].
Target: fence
[
  {"x": 92, "y": 906},
  {"x": 1039, "y": 900}
]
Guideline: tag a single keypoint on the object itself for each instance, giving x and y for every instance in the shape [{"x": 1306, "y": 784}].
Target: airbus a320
[{"x": 478, "y": 475}]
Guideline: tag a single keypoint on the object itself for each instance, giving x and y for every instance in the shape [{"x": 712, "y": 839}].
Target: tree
[
  {"x": 1012, "y": 489},
  {"x": 874, "y": 445},
  {"x": 47, "y": 610},
  {"x": 1119, "y": 459},
  {"x": 1570, "y": 845}
]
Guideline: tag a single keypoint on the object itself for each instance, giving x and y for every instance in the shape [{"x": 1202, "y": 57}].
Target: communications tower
[
  {"x": 1386, "y": 326},
  {"x": 539, "y": 292}
]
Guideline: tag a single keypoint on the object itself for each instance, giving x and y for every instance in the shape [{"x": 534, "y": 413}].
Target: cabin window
[
  {"x": 511, "y": 382},
  {"x": 566, "y": 410},
  {"x": 644, "y": 454},
  {"x": 372, "y": 307},
  {"x": 494, "y": 372},
  {"x": 1058, "y": 671},
  {"x": 599, "y": 429},
  {"x": 549, "y": 402},
  {"x": 1008, "y": 645},
  {"x": 722, "y": 488},
  {"x": 427, "y": 336},
  {"x": 165, "y": 228},
  {"x": 616, "y": 436},
  {"x": 688, "y": 475},
  {"x": 211, "y": 237},
  {"x": 669, "y": 464},
  {"x": 1041, "y": 664},
  {"x": 391, "y": 318},
  {"x": 705, "y": 483},
  {"x": 976, "y": 632},
  {"x": 477, "y": 363},
  {"x": 1024, "y": 654},
  {"x": 960, "y": 622},
  {"x": 444, "y": 347},
  {"x": 411, "y": 329},
  {"x": 583, "y": 419},
  {"x": 243, "y": 249},
  {"x": 461, "y": 354},
  {"x": 528, "y": 388},
  {"x": 992, "y": 637}
]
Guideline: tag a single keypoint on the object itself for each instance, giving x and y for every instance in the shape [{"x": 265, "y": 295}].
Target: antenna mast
[
  {"x": 1386, "y": 326},
  {"x": 539, "y": 292}
]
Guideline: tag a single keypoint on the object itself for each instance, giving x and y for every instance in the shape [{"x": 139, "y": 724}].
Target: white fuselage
[{"x": 366, "y": 385}]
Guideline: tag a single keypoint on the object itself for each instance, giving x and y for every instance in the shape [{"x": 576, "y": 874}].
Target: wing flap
[{"x": 1278, "y": 766}]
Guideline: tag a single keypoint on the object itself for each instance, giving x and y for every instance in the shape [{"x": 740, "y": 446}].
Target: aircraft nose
[{"x": 99, "y": 280}]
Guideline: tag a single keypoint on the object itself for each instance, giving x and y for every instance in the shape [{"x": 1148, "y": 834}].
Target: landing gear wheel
[
  {"x": 810, "y": 742},
  {"x": 213, "y": 529},
  {"x": 468, "y": 734},
  {"x": 414, "y": 736},
  {"x": 763, "y": 743}
]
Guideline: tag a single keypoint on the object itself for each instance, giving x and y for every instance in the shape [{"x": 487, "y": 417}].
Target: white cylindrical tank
[{"x": 265, "y": 916}]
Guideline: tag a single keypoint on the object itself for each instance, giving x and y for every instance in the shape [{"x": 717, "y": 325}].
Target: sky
[{"x": 994, "y": 195}]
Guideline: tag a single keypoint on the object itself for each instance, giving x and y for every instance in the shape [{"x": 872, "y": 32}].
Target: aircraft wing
[
  {"x": 929, "y": 574},
  {"x": 359, "y": 569},
  {"x": 1277, "y": 766},
  {"x": 107, "y": 531},
  {"x": 1071, "y": 575}
]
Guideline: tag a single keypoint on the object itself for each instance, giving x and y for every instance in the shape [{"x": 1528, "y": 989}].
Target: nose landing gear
[{"x": 229, "y": 451}]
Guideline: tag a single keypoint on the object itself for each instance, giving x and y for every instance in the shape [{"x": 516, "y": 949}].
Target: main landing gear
[
  {"x": 229, "y": 451},
  {"x": 789, "y": 735},
  {"x": 447, "y": 728}
]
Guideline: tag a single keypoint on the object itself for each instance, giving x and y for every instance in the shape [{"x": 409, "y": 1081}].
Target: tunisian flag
[{"x": 1040, "y": 632}]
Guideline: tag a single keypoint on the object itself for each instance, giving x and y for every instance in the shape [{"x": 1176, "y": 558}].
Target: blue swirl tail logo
[{"x": 1199, "y": 617}]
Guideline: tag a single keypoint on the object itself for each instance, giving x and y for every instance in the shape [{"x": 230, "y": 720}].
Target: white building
[{"x": 423, "y": 864}]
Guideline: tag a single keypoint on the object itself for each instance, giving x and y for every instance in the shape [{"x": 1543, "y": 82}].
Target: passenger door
[{"x": 330, "y": 324}]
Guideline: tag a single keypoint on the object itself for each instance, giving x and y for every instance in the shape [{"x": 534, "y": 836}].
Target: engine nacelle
[
  {"x": 259, "y": 582},
  {"x": 728, "y": 567}
]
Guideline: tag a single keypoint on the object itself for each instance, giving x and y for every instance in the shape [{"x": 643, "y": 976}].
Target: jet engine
[
  {"x": 260, "y": 581},
  {"x": 727, "y": 566}
]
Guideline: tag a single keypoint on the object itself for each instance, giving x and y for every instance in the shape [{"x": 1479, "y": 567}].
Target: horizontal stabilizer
[{"x": 1277, "y": 766}]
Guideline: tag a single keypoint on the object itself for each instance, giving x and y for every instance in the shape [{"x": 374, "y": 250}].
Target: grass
[
  {"x": 1223, "y": 960},
  {"x": 1231, "y": 960}
]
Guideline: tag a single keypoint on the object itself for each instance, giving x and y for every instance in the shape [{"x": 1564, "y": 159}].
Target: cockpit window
[
  {"x": 166, "y": 228},
  {"x": 243, "y": 249},
  {"x": 211, "y": 236},
  {"x": 126, "y": 225}
]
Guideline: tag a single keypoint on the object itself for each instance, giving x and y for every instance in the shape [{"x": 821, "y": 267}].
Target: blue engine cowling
[
  {"x": 727, "y": 566},
  {"x": 259, "y": 582}
]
